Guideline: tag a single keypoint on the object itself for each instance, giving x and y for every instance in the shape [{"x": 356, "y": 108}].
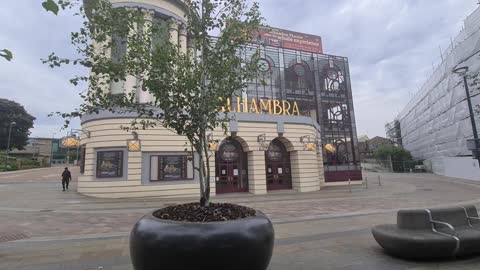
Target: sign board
[
  {"x": 473, "y": 147},
  {"x": 471, "y": 144},
  {"x": 288, "y": 40},
  {"x": 270, "y": 106}
]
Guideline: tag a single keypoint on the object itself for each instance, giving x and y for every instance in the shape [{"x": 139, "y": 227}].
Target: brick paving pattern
[{"x": 44, "y": 228}]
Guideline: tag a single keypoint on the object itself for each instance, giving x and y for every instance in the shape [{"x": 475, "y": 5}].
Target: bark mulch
[{"x": 193, "y": 212}]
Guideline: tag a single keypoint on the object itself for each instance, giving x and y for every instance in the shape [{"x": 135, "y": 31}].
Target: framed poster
[
  {"x": 171, "y": 167},
  {"x": 109, "y": 164}
]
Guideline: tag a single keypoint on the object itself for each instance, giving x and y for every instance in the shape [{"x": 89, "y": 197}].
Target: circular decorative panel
[
  {"x": 263, "y": 65},
  {"x": 274, "y": 152},
  {"x": 229, "y": 152},
  {"x": 299, "y": 70}
]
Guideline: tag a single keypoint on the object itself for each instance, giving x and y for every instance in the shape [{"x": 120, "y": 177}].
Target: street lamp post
[
  {"x": 462, "y": 71},
  {"x": 8, "y": 143},
  {"x": 73, "y": 140},
  {"x": 68, "y": 156},
  {"x": 78, "y": 148},
  {"x": 51, "y": 149}
]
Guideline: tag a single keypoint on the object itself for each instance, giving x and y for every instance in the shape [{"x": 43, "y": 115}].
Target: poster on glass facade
[
  {"x": 282, "y": 38},
  {"x": 173, "y": 167},
  {"x": 109, "y": 164}
]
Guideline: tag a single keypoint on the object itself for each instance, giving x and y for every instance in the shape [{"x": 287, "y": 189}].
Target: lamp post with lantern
[
  {"x": 462, "y": 71},
  {"x": 8, "y": 143},
  {"x": 73, "y": 140},
  {"x": 51, "y": 149}
]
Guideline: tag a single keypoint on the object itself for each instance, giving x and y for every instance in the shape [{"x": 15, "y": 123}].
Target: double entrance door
[
  {"x": 277, "y": 166},
  {"x": 231, "y": 168}
]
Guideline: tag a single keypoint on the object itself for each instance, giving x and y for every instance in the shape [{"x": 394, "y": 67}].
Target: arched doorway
[
  {"x": 231, "y": 168},
  {"x": 277, "y": 166}
]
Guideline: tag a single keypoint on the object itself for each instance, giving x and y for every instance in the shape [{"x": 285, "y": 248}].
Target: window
[
  {"x": 119, "y": 48},
  {"x": 82, "y": 159},
  {"x": 171, "y": 167},
  {"x": 119, "y": 51},
  {"x": 159, "y": 32},
  {"x": 109, "y": 164},
  {"x": 55, "y": 147}
]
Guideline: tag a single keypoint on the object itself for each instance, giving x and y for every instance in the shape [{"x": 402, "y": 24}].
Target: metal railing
[{"x": 406, "y": 166}]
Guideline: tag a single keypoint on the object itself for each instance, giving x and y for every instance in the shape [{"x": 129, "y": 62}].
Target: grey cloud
[{"x": 391, "y": 45}]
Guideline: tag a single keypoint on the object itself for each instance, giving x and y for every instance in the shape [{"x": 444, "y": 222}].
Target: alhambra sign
[{"x": 270, "y": 106}]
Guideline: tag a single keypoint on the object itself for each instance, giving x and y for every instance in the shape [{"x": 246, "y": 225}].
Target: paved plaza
[{"x": 44, "y": 228}]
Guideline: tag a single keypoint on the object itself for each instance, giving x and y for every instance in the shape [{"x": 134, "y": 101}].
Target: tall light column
[
  {"x": 51, "y": 148},
  {"x": 8, "y": 143},
  {"x": 463, "y": 72}
]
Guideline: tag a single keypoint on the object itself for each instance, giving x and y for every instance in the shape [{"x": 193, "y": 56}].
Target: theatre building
[{"x": 293, "y": 127}]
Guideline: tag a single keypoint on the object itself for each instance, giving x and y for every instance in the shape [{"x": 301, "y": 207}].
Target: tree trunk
[
  {"x": 203, "y": 198},
  {"x": 207, "y": 168}
]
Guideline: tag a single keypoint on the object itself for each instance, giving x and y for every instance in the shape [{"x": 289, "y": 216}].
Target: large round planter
[{"x": 157, "y": 244}]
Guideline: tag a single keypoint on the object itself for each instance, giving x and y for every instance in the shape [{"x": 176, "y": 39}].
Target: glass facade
[{"x": 320, "y": 85}]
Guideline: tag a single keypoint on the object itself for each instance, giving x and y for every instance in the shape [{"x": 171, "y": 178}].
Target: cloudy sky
[{"x": 391, "y": 46}]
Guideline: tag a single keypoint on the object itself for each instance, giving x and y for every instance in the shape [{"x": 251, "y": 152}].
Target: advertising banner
[{"x": 288, "y": 40}]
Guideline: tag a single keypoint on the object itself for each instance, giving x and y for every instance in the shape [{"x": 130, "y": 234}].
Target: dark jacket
[{"x": 66, "y": 175}]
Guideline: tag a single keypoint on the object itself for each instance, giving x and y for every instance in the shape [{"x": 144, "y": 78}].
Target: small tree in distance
[
  {"x": 396, "y": 153},
  {"x": 188, "y": 90},
  {"x": 11, "y": 111}
]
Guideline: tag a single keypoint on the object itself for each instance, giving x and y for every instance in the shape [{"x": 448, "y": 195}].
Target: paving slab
[{"x": 44, "y": 228}]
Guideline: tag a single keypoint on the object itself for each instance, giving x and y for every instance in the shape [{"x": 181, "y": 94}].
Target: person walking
[{"x": 66, "y": 177}]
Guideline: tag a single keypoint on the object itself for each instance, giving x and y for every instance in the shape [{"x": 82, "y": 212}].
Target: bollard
[
  {"x": 349, "y": 186},
  {"x": 379, "y": 182},
  {"x": 366, "y": 182}
]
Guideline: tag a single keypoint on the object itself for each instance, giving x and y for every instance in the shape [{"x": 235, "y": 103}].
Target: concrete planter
[{"x": 157, "y": 244}]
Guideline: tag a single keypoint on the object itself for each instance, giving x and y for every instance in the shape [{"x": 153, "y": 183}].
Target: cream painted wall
[{"x": 307, "y": 168}]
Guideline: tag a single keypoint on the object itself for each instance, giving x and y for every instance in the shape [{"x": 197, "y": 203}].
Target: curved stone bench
[{"x": 431, "y": 233}]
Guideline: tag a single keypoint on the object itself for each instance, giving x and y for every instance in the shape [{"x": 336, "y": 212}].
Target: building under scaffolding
[{"x": 436, "y": 123}]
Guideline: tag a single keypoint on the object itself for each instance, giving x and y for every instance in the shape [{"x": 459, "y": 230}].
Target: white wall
[{"x": 457, "y": 167}]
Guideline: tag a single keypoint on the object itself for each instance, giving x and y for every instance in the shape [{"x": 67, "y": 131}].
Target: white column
[
  {"x": 143, "y": 96},
  {"x": 257, "y": 178},
  {"x": 173, "y": 30},
  {"x": 130, "y": 81},
  {"x": 305, "y": 172},
  {"x": 182, "y": 38}
]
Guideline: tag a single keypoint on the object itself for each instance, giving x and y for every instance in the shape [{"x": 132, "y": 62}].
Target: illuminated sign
[
  {"x": 270, "y": 106},
  {"x": 288, "y": 39}
]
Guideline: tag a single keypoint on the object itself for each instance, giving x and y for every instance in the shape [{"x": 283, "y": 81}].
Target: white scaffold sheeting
[{"x": 436, "y": 121}]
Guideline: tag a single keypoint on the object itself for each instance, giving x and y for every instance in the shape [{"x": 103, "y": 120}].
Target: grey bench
[{"x": 431, "y": 233}]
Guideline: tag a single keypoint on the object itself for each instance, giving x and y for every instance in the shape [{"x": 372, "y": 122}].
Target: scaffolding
[{"x": 436, "y": 122}]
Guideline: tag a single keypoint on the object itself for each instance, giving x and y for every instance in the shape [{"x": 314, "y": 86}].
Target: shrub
[
  {"x": 401, "y": 158},
  {"x": 395, "y": 152}
]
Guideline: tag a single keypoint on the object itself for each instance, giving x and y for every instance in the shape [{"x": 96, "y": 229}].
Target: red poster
[{"x": 288, "y": 40}]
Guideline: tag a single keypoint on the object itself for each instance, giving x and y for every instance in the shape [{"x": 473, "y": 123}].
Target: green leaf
[
  {"x": 50, "y": 5},
  {"x": 6, "y": 54}
]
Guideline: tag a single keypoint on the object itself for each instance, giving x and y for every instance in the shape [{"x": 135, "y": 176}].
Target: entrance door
[
  {"x": 277, "y": 165},
  {"x": 231, "y": 168}
]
